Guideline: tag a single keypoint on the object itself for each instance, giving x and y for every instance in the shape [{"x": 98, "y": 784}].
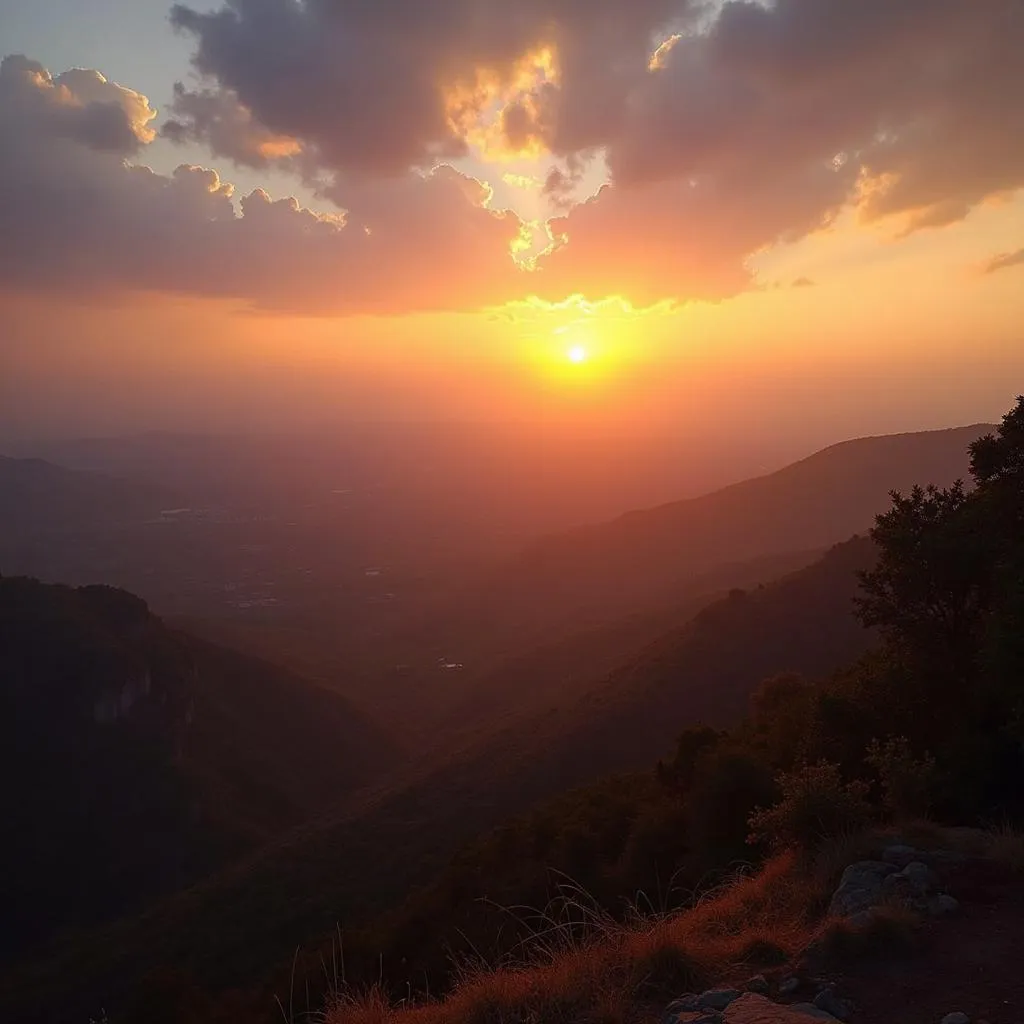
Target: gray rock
[
  {"x": 810, "y": 1010},
  {"x": 689, "y": 1003},
  {"x": 828, "y": 1001},
  {"x": 758, "y": 983},
  {"x": 860, "y": 888},
  {"x": 899, "y": 888},
  {"x": 899, "y": 855},
  {"x": 718, "y": 998},
  {"x": 956, "y": 1018},
  {"x": 864, "y": 872},
  {"x": 789, "y": 985},
  {"x": 942, "y": 906},
  {"x": 921, "y": 877}
]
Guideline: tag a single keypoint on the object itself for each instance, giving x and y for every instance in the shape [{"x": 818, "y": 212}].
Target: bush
[
  {"x": 729, "y": 784},
  {"x": 816, "y": 805},
  {"x": 907, "y": 782}
]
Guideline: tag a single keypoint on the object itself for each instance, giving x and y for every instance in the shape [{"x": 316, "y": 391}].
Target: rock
[
  {"x": 756, "y": 1009},
  {"x": 758, "y": 983},
  {"x": 942, "y": 906},
  {"x": 899, "y": 855},
  {"x": 718, "y": 998},
  {"x": 956, "y": 1018},
  {"x": 828, "y": 1001},
  {"x": 863, "y": 872},
  {"x": 789, "y": 985},
  {"x": 689, "y": 1003},
  {"x": 920, "y": 877},
  {"x": 860, "y": 888},
  {"x": 899, "y": 888},
  {"x": 810, "y": 1010}
]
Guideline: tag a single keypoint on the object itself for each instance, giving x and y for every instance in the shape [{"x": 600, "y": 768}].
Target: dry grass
[
  {"x": 618, "y": 973},
  {"x": 892, "y": 931}
]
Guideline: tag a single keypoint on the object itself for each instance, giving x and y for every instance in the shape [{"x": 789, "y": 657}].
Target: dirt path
[{"x": 973, "y": 962}]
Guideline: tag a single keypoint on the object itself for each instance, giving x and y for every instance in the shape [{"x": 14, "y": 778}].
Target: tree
[{"x": 929, "y": 590}]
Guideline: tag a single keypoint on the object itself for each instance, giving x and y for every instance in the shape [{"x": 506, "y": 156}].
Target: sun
[{"x": 577, "y": 354}]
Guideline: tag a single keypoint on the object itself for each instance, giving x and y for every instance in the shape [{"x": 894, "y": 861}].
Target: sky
[{"x": 800, "y": 217}]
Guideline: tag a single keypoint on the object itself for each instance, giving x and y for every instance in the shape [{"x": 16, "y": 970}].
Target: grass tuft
[{"x": 584, "y": 967}]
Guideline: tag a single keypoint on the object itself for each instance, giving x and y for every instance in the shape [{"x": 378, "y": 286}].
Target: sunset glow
[{"x": 574, "y": 194}]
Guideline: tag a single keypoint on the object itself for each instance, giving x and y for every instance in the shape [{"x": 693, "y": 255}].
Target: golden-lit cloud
[
  {"x": 500, "y": 116},
  {"x": 527, "y": 182},
  {"x": 725, "y": 130},
  {"x": 660, "y": 55},
  {"x": 79, "y": 218}
]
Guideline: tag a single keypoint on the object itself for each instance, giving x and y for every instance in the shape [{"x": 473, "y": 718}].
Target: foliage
[
  {"x": 907, "y": 781},
  {"x": 816, "y": 805}
]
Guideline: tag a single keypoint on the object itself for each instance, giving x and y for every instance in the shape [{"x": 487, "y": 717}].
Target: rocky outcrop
[{"x": 904, "y": 877}]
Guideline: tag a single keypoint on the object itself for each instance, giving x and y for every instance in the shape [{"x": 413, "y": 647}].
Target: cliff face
[{"x": 135, "y": 759}]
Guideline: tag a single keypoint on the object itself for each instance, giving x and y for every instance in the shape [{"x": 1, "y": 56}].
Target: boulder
[
  {"x": 758, "y": 983},
  {"x": 942, "y": 906},
  {"x": 898, "y": 888},
  {"x": 680, "y": 1008},
  {"x": 828, "y": 1001},
  {"x": 860, "y": 888},
  {"x": 920, "y": 877},
  {"x": 956, "y": 1018},
  {"x": 718, "y": 998},
  {"x": 756, "y": 1009},
  {"x": 789, "y": 985}
]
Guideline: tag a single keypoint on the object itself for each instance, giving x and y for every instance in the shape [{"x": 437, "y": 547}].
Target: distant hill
[
  {"x": 644, "y": 558},
  {"x": 36, "y": 494},
  {"x": 134, "y": 759}
]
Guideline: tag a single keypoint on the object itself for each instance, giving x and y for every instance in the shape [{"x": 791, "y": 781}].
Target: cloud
[
  {"x": 726, "y": 128},
  {"x": 705, "y": 112},
  {"x": 1004, "y": 261},
  {"x": 77, "y": 217},
  {"x": 682, "y": 239},
  {"x": 218, "y": 119},
  {"x": 379, "y": 88},
  {"x": 913, "y": 96}
]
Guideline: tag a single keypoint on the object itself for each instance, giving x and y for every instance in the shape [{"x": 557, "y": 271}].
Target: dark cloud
[
  {"x": 754, "y": 123},
  {"x": 915, "y": 95},
  {"x": 369, "y": 87},
  {"x": 217, "y": 119},
  {"x": 803, "y": 282},
  {"x": 726, "y": 128},
  {"x": 1004, "y": 261},
  {"x": 75, "y": 216}
]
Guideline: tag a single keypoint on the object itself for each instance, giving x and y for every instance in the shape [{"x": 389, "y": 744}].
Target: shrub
[
  {"x": 907, "y": 782},
  {"x": 816, "y": 805},
  {"x": 729, "y": 784}
]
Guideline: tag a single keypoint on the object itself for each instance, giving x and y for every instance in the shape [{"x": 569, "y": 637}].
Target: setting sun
[{"x": 577, "y": 354}]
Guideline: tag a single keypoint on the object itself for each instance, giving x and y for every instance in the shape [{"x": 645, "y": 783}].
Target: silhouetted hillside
[
  {"x": 135, "y": 759},
  {"x": 363, "y": 859},
  {"x": 636, "y": 561}
]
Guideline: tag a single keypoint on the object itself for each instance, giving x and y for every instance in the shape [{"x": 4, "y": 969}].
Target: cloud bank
[{"x": 726, "y": 128}]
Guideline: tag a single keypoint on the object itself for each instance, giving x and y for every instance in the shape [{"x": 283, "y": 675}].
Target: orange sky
[{"x": 728, "y": 271}]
